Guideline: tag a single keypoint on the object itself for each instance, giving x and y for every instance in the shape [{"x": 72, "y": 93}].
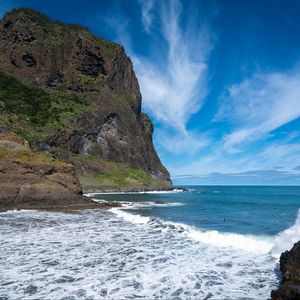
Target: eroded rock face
[
  {"x": 70, "y": 59},
  {"x": 32, "y": 180},
  {"x": 290, "y": 275}
]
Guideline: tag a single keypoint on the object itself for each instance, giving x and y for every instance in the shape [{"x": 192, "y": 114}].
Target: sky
[{"x": 219, "y": 79}]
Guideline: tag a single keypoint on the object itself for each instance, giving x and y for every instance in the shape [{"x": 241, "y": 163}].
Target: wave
[
  {"x": 138, "y": 205},
  {"x": 250, "y": 243},
  {"x": 173, "y": 191},
  {"x": 287, "y": 238},
  {"x": 136, "y": 219},
  {"x": 253, "y": 243}
]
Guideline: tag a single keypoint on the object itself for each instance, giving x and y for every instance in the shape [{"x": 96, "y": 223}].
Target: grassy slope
[
  {"x": 117, "y": 176},
  {"x": 32, "y": 112}
]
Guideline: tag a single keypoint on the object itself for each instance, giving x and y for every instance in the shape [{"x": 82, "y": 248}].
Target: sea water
[{"x": 205, "y": 243}]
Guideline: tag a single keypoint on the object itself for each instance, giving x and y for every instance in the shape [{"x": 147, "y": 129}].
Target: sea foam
[
  {"x": 98, "y": 254},
  {"x": 252, "y": 243},
  {"x": 286, "y": 239},
  {"x": 173, "y": 191}
]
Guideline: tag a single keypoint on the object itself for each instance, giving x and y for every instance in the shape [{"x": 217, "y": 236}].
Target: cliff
[
  {"x": 75, "y": 98},
  {"x": 290, "y": 275}
]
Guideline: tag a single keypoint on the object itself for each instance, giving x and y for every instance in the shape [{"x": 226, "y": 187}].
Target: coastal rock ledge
[{"x": 290, "y": 280}]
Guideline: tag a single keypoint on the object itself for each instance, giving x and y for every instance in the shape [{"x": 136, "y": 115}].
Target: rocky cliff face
[
  {"x": 77, "y": 97},
  {"x": 290, "y": 279}
]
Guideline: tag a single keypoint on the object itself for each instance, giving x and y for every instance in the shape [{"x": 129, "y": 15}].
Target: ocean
[{"x": 209, "y": 242}]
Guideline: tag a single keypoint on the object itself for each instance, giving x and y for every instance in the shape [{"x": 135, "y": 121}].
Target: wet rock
[{"x": 289, "y": 288}]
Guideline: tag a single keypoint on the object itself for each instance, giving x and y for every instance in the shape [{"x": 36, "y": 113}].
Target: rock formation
[
  {"x": 75, "y": 98},
  {"x": 290, "y": 275}
]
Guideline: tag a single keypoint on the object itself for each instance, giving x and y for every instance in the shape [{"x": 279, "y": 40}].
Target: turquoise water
[{"x": 257, "y": 210}]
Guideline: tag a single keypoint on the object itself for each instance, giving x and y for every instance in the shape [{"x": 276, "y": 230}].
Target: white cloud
[
  {"x": 174, "y": 91},
  {"x": 147, "y": 16},
  {"x": 187, "y": 143},
  {"x": 260, "y": 105},
  {"x": 283, "y": 152}
]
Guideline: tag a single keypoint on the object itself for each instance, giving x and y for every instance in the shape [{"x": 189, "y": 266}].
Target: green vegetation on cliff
[
  {"x": 34, "y": 112},
  {"x": 118, "y": 177}
]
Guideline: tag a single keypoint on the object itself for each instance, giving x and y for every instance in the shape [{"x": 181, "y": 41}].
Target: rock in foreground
[
  {"x": 290, "y": 282},
  {"x": 30, "y": 180}
]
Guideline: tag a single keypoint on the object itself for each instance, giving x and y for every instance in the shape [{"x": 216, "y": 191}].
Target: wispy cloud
[
  {"x": 214, "y": 164},
  {"x": 255, "y": 177},
  {"x": 187, "y": 143},
  {"x": 260, "y": 105},
  {"x": 147, "y": 16},
  {"x": 175, "y": 90}
]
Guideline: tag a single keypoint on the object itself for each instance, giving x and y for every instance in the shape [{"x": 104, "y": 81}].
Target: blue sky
[{"x": 220, "y": 80}]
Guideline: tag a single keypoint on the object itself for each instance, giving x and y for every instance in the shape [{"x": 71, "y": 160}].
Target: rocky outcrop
[
  {"x": 36, "y": 180},
  {"x": 290, "y": 275},
  {"x": 77, "y": 97}
]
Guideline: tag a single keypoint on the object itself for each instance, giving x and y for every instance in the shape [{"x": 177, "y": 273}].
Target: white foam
[
  {"x": 146, "y": 204},
  {"x": 251, "y": 243},
  {"x": 173, "y": 191},
  {"x": 99, "y": 200},
  {"x": 286, "y": 239},
  {"x": 94, "y": 254},
  {"x": 136, "y": 219},
  {"x": 257, "y": 244}
]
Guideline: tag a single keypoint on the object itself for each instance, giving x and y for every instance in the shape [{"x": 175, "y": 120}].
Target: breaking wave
[
  {"x": 287, "y": 238},
  {"x": 251, "y": 243}
]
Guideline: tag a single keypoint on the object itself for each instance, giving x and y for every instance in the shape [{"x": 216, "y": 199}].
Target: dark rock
[
  {"x": 29, "y": 59},
  {"x": 54, "y": 79},
  {"x": 92, "y": 65},
  {"x": 7, "y": 24},
  {"x": 289, "y": 288}
]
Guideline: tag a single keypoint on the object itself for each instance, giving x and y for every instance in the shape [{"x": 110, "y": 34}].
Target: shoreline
[
  {"x": 90, "y": 204},
  {"x": 134, "y": 191},
  {"x": 64, "y": 208}
]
